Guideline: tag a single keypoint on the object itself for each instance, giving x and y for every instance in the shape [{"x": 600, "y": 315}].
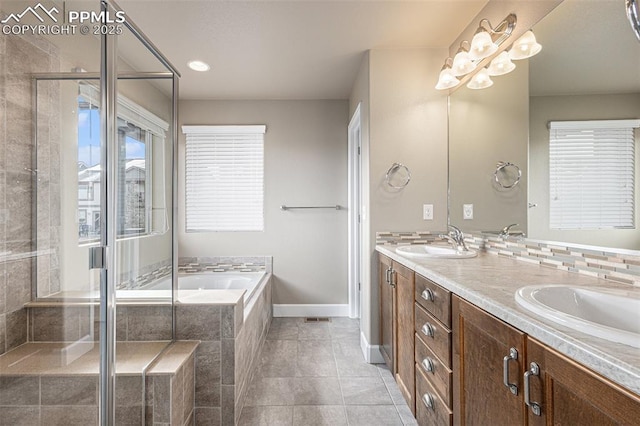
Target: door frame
[{"x": 355, "y": 205}]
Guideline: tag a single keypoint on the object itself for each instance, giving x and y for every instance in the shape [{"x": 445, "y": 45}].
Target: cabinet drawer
[
  {"x": 434, "y": 370},
  {"x": 430, "y": 409},
  {"x": 435, "y": 299},
  {"x": 434, "y": 334}
]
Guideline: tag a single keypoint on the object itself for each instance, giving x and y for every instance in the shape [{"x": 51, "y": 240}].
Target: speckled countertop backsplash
[{"x": 599, "y": 263}]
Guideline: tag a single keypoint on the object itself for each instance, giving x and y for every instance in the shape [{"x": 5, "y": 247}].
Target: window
[
  {"x": 224, "y": 178},
  {"x": 138, "y": 131},
  {"x": 592, "y": 174}
]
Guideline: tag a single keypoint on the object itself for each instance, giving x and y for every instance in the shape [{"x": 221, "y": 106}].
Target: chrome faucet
[
  {"x": 506, "y": 231},
  {"x": 456, "y": 238}
]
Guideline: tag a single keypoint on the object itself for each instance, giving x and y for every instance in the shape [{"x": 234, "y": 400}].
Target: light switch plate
[
  {"x": 427, "y": 211},
  {"x": 467, "y": 211}
]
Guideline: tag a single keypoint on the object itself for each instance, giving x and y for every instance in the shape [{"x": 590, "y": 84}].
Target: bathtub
[{"x": 208, "y": 287}]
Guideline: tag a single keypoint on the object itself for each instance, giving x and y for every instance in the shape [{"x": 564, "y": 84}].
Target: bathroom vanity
[{"x": 480, "y": 358}]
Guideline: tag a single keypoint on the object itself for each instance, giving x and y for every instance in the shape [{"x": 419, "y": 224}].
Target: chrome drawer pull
[
  {"x": 428, "y": 401},
  {"x": 533, "y": 371},
  {"x": 428, "y": 330},
  {"x": 513, "y": 355},
  {"x": 427, "y": 363},
  {"x": 427, "y": 295}
]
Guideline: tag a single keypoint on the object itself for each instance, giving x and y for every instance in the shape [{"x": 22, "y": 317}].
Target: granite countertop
[{"x": 490, "y": 282}]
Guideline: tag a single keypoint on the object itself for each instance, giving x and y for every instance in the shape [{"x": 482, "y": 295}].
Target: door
[
  {"x": 567, "y": 393},
  {"x": 387, "y": 312},
  {"x": 355, "y": 223},
  {"x": 486, "y": 353},
  {"x": 404, "y": 281}
]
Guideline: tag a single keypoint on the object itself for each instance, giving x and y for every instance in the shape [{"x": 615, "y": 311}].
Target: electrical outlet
[
  {"x": 427, "y": 211},
  {"x": 467, "y": 211}
]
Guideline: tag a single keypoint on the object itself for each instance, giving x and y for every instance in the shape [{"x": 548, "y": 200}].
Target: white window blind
[
  {"x": 224, "y": 178},
  {"x": 592, "y": 174}
]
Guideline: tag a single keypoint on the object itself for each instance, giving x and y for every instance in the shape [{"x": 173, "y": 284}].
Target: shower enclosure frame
[{"x": 102, "y": 257}]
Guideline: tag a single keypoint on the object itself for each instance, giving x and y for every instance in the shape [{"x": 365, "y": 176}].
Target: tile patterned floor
[{"x": 314, "y": 374}]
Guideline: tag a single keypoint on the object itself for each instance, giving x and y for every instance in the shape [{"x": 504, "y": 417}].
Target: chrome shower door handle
[
  {"x": 534, "y": 370},
  {"x": 513, "y": 356}
]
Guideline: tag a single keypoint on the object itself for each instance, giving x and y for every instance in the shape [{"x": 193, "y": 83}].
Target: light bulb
[
  {"x": 447, "y": 79},
  {"x": 462, "y": 63},
  {"x": 481, "y": 80},
  {"x": 501, "y": 65},
  {"x": 482, "y": 45},
  {"x": 525, "y": 47}
]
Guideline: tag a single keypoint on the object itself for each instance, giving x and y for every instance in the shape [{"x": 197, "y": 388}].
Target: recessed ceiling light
[{"x": 199, "y": 66}]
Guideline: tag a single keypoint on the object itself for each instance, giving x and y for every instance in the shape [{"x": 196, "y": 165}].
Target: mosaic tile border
[
  {"x": 146, "y": 275},
  {"x": 198, "y": 265},
  {"x": 619, "y": 267}
]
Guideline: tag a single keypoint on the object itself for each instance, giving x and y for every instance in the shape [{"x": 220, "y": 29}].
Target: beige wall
[
  {"x": 558, "y": 108},
  {"x": 485, "y": 127},
  {"x": 407, "y": 123},
  {"x": 305, "y": 165}
]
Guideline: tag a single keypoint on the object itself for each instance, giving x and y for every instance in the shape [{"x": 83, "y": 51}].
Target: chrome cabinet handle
[
  {"x": 428, "y": 330},
  {"x": 388, "y": 275},
  {"x": 428, "y": 401},
  {"x": 393, "y": 276},
  {"x": 513, "y": 356},
  {"x": 427, "y": 363},
  {"x": 427, "y": 295},
  {"x": 534, "y": 370}
]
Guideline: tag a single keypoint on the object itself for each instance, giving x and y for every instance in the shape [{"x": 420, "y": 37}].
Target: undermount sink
[
  {"x": 610, "y": 314},
  {"x": 426, "y": 251}
]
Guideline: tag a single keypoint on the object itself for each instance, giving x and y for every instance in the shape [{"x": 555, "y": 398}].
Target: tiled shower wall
[
  {"x": 19, "y": 56},
  {"x": 620, "y": 267}
]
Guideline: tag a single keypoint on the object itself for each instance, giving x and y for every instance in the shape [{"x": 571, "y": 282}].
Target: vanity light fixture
[
  {"x": 481, "y": 80},
  {"x": 501, "y": 65},
  {"x": 198, "y": 66},
  {"x": 447, "y": 78},
  {"x": 462, "y": 63},
  {"x": 525, "y": 47},
  {"x": 485, "y": 43}
]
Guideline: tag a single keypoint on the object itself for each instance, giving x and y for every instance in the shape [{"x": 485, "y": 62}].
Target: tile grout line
[{"x": 335, "y": 359}]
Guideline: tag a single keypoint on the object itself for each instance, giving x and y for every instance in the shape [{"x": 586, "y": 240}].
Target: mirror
[{"x": 588, "y": 69}]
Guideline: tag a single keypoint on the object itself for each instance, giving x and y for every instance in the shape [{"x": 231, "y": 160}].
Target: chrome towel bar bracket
[
  {"x": 501, "y": 167},
  {"x": 396, "y": 167}
]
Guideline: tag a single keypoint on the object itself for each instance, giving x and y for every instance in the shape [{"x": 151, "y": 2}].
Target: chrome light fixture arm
[{"x": 633, "y": 13}]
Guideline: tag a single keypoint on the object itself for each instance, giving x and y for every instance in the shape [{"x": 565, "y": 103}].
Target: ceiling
[
  {"x": 300, "y": 49},
  {"x": 587, "y": 48}
]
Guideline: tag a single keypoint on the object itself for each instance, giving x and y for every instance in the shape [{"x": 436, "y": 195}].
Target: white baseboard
[
  {"x": 310, "y": 310},
  {"x": 371, "y": 352}
]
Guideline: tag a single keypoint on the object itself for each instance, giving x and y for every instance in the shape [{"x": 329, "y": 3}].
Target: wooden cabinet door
[
  {"x": 570, "y": 394},
  {"x": 387, "y": 313},
  {"x": 480, "y": 344},
  {"x": 404, "y": 281}
]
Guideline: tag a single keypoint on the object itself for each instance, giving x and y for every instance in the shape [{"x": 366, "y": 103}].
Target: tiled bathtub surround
[
  {"x": 197, "y": 265},
  {"x": 144, "y": 275},
  {"x": 231, "y": 338},
  {"x": 620, "y": 267}
]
